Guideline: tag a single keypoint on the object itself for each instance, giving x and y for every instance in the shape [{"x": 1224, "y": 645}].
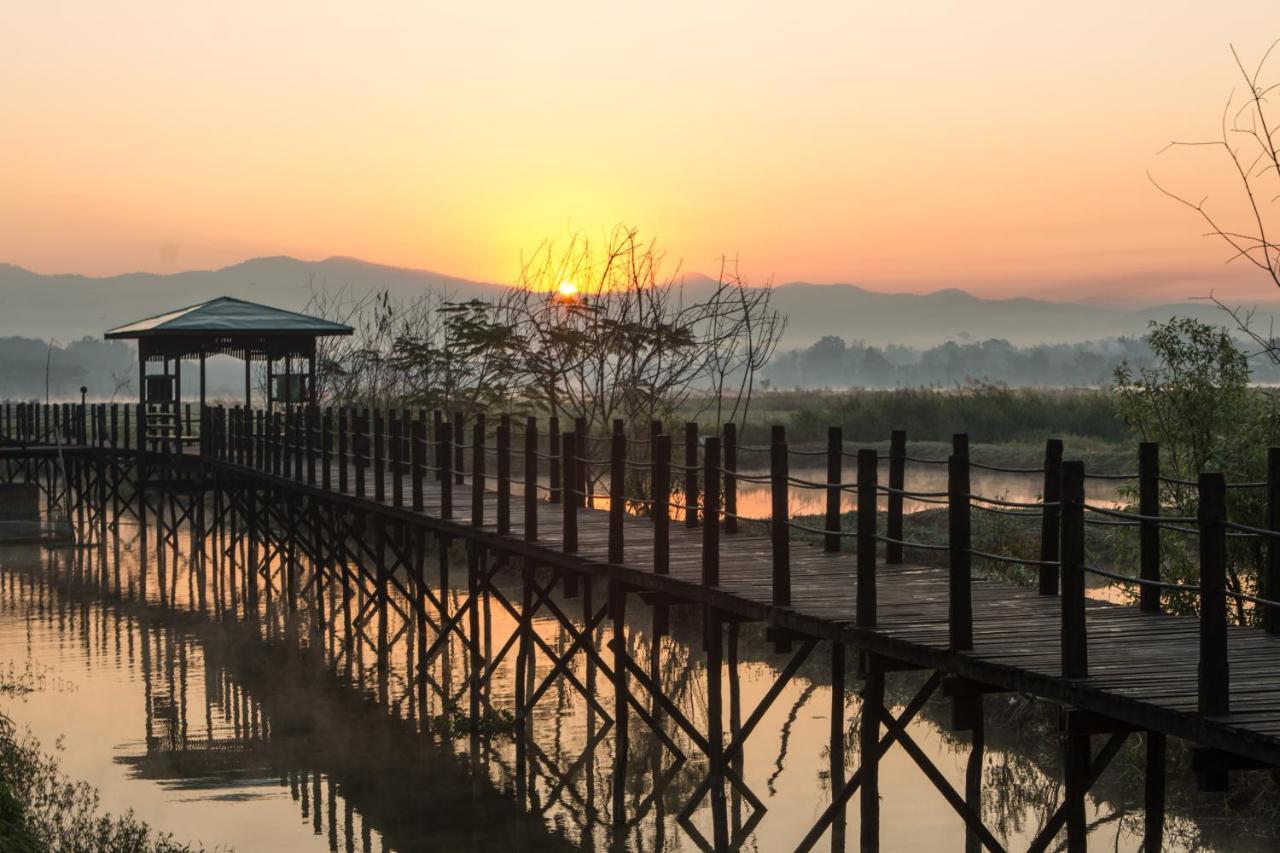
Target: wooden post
[
  {"x": 869, "y": 749},
  {"x": 1051, "y": 516},
  {"x": 897, "y": 483},
  {"x": 1075, "y": 768},
  {"x": 960, "y": 603},
  {"x": 835, "y": 747},
  {"x": 459, "y": 452},
  {"x": 418, "y": 461},
  {"x": 835, "y": 454},
  {"x": 554, "y": 462},
  {"x": 397, "y": 469},
  {"x": 343, "y": 437},
  {"x": 360, "y": 448},
  {"x": 730, "y": 477},
  {"x": 1149, "y": 531},
  {"x": 445, "y": 437},
  {"x": 660, "y": 480},
  {"x": 1271, "y": 582},
  {"x": 477, "y": 470},
  {"x": 504, "y": 475},
  {"x": 711, "y": 513},
  {"x": 868, "y": 463},
  {"x": 618, "y": 615},
  {"x": 1075, "y": 647},
  {"x": 780, "y": 517},
  {"x": 312, "y": 424},
  {"x": 1154, "y": 793},
  {"x": 1214, "y": 679},
  {"x": 960, "y": 444},
  {"x": 617, "y": 491},
  {"x": 326, "y": 448},
  {"x": 531, "y": 479},
  {"x": 379, "y": 457},
  {"x": 580, "y": 466},
  {"x": 691, "y": 474},
  {"x": 570, "y": 502},
  {"x": 442, "y": 464}
]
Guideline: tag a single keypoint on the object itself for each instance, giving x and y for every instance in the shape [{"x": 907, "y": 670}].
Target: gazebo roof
[{"x": 228, "y": 317}]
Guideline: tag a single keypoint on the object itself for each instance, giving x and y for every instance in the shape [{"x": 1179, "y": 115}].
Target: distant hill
[{"x": 68, "y": 307}]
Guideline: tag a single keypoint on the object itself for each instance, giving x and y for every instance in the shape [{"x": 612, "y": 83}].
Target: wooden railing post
[
  {"x": 418, "y": 461},
  {"x": 897, "y": 483},
  {"x": 730, "y": 477},
  {"x": 326, "y": 449},
  {"x": 360, "y": 448},
  {"x": 1271, "y": 582},
  {"x": 444, "y": 436},
  {"x": 311, "y": 424},
  {"x": 1214, "y": 678},
  {"x": 555, "y": 463},
  {"x": 868, "y": 477},
  {"x": 344, "y": 437},
  {"x": 660, "y": 481},
  {"x": 459, "y": 452},
  {"x": 379, "y": 457},
  {"x": 1149, "y": 531},
  {"x": 691, "y": 474},
  {"x": 580, "y": 467},
  {"x": 780, "y": 517},
  {"x": 1075, "y": 642},
  {"x": 437, "y": 420},
  {"x": 570, "y": 503},
  {"x": 617, "y": 492},
  {"x": 531, "y": 479},
  {"x": 960, "y": 600},
  {"x": 1051, "y": 516},
  {"x": 300, "y": 439},
  {"x": 397, "y": 454},
  {"x": 711, "y": 512},
  {"x": 835, "y": 460},
  {"x": 477, "y": 470},
  {"x": 503, "y": 440}
]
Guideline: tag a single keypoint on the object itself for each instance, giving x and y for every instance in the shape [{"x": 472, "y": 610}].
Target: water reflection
[{"x": 293, "y": 733}]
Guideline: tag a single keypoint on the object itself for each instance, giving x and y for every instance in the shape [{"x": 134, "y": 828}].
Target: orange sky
[{"x": 998, "y": 146}]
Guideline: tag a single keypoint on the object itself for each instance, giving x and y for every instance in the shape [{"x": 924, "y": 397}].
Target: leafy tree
[{"x": 1196, "y": 401}]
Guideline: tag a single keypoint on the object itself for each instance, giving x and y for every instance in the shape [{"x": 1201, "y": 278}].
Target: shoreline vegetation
[{"x": 43, "y": 809}]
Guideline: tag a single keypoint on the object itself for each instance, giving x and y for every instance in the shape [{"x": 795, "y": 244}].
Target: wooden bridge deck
[{"x": 1142, "y": 666}]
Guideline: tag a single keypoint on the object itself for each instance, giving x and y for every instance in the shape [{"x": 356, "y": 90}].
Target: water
[{"x": 275, "y": 739}]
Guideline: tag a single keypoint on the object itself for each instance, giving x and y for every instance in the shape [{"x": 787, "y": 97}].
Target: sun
[{"x": 567, "y": 289}]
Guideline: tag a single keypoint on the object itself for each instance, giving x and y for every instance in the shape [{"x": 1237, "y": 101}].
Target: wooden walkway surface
[{"x": 1142, "y": 666}]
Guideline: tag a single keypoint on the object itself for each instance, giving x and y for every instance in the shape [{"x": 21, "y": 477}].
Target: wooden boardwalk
[
  {"x": 1146, "y": 671},
  {"x": 1142, "y": 666}
]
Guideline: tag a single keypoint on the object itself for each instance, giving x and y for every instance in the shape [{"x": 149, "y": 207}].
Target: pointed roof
[{"x": 227, "y": 315}]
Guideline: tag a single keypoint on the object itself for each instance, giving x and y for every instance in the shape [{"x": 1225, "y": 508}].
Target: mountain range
[{"x": 68, "y": 307}]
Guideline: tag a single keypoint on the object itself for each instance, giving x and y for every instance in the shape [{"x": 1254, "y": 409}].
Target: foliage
[
  {"x": 41, "y": 809},
  {"x": 1196, "y": 402}
]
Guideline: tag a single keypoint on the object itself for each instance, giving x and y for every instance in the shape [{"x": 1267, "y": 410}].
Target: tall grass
[{"x": 990, "y": 414}]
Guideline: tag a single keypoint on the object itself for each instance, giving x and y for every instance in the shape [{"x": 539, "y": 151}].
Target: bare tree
[{"x": 1248, "y": 141}]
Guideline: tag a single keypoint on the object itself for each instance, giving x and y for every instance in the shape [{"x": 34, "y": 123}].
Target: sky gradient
[{"x": 997, "y": 146}]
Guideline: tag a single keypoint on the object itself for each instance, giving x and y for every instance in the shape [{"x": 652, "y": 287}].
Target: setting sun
[{"x": 567, "y": 289}]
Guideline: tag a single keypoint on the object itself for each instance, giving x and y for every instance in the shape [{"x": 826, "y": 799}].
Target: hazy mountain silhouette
[{"x": 67, "y": 307}]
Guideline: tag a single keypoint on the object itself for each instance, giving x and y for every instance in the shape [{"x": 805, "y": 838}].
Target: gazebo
[{"x": 228, "y": 326}]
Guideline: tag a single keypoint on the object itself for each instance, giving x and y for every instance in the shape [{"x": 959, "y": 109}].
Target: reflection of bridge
[{"x": 319, "y": 527}]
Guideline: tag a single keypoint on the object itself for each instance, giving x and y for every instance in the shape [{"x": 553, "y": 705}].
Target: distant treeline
[
  {"x": 833, "y": 363},
  {"x": 99, "y": 365}
]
